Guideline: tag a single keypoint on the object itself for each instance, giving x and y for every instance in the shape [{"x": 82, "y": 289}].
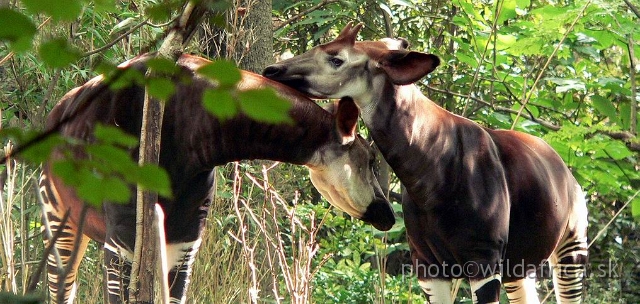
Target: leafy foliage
[{"x": 225, "y": 100}]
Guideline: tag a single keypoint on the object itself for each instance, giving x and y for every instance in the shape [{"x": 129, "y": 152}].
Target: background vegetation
[{"x": 562, "y": 70}]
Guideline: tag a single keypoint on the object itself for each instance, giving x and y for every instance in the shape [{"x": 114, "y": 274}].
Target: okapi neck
[
  {"x": 406, "y": 126},
  {"x": 212, "y": 142}
]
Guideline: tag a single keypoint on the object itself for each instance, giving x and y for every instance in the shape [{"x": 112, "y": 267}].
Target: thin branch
[
  {"x": 110, "y": 44},
  {"x": 388, "y": 28},
  {"x": 543, "y": 123},
  {"x": 304, "y": 13},
  {"x": 494, "y": 29},
  {"x": 6, "y": 58},
  {"x": 553, "y": 54},
  {"x": 630, "y": 140},
  {"x": 633, "y": 8},
  {"x": 632, "y": 77},
  {"x": 83, "y": 104}
]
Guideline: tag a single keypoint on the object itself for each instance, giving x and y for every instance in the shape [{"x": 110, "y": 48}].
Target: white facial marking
[{"x": 343, "y": 185}]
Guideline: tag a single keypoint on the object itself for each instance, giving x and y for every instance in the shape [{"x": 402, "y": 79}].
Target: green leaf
[
  {"x": 265, "y": 105},
  {"x": 222, "y": 71},
  {"x": 565, "y": 85},
  {"x": 523, "y": 4},
  {"x": 635, "y": 207},
  {"x": 219, "y": 103},
  {"x": 472, "y": 62},
  {"x": 17, "y": 29},
  {"x": 154, "y": 178},
  {"x": 66, "y": 10},
  {"x": 105, "y": 5},
  {"x": 37, "y": 152},
  {"x": 161, "y": 88},
  {"x": 111, "y": 159},
  {"x": 125, "y": 78},
  {"x": 163, "y": 65},
  {"x": 159, "y": 12},
  {"x": 508, "y": 11},
  {"x": 96, "y": 190},
  {"x": 57, "y": 53},
  {"x": 114, "y": 135},
  {"x": 68, "y": 170},
  {"x": 605, "y": 107}
]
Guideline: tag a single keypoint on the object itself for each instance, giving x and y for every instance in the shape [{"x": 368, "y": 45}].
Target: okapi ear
[
  {"x": 404, "y": 67},
  {"x": 349, "y": 34},
  {"x": 346, "y": 119}
]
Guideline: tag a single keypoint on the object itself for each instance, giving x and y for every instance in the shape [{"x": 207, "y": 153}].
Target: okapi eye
[{"x": 336, "y": 62}]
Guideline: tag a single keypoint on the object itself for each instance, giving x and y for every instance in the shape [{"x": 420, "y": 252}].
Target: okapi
[
  {"x": 193, "y": 143},
  {"x": 482, "y": 204}
]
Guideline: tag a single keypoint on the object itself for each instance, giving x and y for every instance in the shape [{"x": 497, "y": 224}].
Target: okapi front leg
[
  {"x": 438, "y": 291},
  {"x": 118, "y": 250},
  {"x": 118, "y": 271},
  {"x": 486, "y": 290},
  {"x": 180, "y": 257}
]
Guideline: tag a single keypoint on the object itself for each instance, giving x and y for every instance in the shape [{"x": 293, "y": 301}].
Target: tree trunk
[
  {"x": 259, "y": 38},
  {"x": 247, "y": 37},
  {"x": 144, "y": 265}
]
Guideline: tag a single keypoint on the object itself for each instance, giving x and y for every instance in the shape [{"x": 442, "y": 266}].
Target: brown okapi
[
  {"x": 487, "y": 205},
  {"x": 193, "y": 143}
]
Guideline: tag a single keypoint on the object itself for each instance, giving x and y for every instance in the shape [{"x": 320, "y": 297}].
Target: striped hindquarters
[{"x": 61, "y": 279}]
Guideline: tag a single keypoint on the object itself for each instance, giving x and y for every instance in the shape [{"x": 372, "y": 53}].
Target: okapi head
[
  {"x": 344, "y": 67},
  {"x": 343, "y": 172}
]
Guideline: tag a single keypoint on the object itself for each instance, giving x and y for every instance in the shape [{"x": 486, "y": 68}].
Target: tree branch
[
  {"x": 632, "y": 77},
  {"x": 544, "y": 67},
  {"x": 630, "y": 140},
  {"x": 543, "y": 123},
  {"x": 303, "y": 13},
  {"x": 110, "y": 44},
  {"x": 633, "y": 8}
]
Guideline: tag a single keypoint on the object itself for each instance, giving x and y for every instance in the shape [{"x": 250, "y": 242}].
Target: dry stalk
[{"x": 7, "y": 226}]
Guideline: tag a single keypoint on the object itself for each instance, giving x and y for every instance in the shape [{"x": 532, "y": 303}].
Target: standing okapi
[
  {"x": 487, "y": 205},
  {"x": 193, "y": 143}
]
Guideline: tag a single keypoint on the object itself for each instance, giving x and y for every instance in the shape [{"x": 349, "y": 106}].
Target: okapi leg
[
  {"x": 118, "y": 249},
  {"x": 438, "y": 291},
  {"x": 568, "y": 271},
  {"x": 61, "y": 252},
  {"x": 180, "y": 257},
  {"x": 486, "y": 290},
  {"x": 522, "y": 291},
  {"x": 118, "y": 271},
  {"x": 568, "y": 262},
  {"x": 64, "y": 246}
]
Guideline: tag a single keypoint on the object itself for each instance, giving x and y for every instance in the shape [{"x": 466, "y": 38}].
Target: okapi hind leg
[
  {"x": 569, "y": 261},
  {"x": 62, "y": 249},
  {"x": 180, "y": 257},
  {"x": 58, "y": 261}
]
